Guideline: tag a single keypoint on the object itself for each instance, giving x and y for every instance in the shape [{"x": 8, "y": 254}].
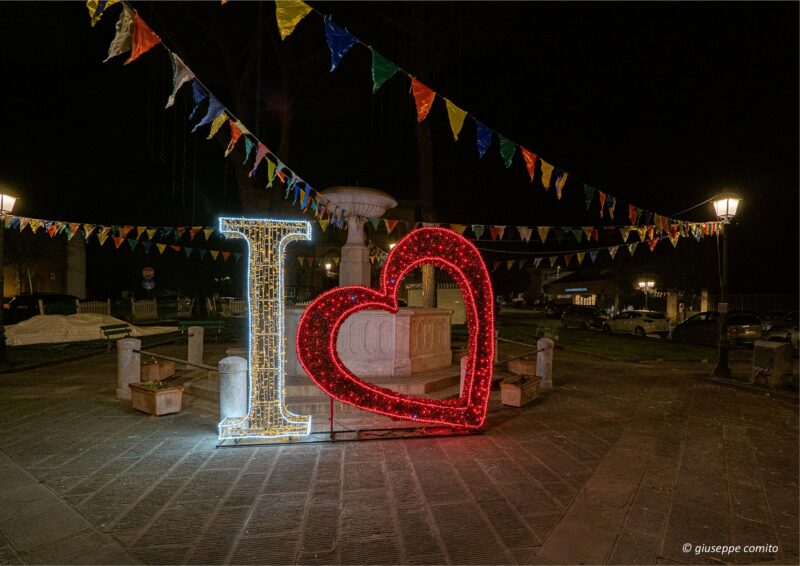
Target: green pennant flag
[
  {"x": 477, "y": 229},
  {"x": 507, "y": 149},
  {"x": 578, "y": 235},
  {"x": 133, "y": 243},
  {"x": 187, "y": 250},
  {"x": 382, "y": 70},
  {"x": 375, "y": 221},
  {"x": 588, "y": 193}
]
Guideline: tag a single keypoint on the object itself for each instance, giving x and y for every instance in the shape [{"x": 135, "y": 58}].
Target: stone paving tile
[{"x": 629, "y": 461}]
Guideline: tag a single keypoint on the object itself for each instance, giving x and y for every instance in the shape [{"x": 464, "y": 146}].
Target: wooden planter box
[
  {"x": 156, "y": 371},
  {"x": 520, "y": 392},
  {"x": 154, "y": 401}
]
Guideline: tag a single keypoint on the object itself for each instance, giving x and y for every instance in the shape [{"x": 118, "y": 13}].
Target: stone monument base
[{"x": 376, "y": 343}]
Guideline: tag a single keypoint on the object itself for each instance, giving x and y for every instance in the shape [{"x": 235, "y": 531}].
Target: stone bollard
[
  {"x": 129, "y": 366},
  {"x": 232, "y": 387},
  {"x": 544, "y": 362},
  {"x": 195, "y": 354}
]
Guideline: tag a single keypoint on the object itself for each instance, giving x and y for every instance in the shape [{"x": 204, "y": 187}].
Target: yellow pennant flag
[
  {"x": 510, "y": 263},
  {"x": 161, "y": 248},
  {"x": 323, "y": 223},
  {"x": 547, "y": 171},
  {"x": 151, "y": 233},
  {"x": 459, "y": 228},
  {"x": 289, "y": 13},
  {"x": 456, "y": 116},
  {"x": 207, "y": 232},
  {"x": 543, "y": 231},
  {"x": 140, "y": 230},
  {"x": 270, "y": 172},
  {"x": 94, "y": 13},
  {"x": 102, "y": 237},
  {"x": 214, "y": 254},
  {"x": 35, "y": 224},
  {"x": 580, "y": 256},
  {"x": 217, "y": 124},
  {"x": 560, "y": 184},
  {"x": 641, "y": 230}
]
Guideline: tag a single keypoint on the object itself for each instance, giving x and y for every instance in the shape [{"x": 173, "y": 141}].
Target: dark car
[
  {"x": 744, "y": 328},
  {"x": 23, "y": 307},
  {"x": 783, "y": 329},
  {"x": 585, "y": 317}
]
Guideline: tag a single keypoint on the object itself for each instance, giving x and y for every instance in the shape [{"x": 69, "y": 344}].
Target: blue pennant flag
[
  {"x": 593, "y": 255},
  {"x": 202, "y": 252},
  {"x": 484, "y": 138},
  {"x": 199, "y": 94},
  {"x": 339, "y": 41},
  {"x": 146, "y": 245},
  {"x": 215, "y": 108},
  {"x": 296, "y": 192}
]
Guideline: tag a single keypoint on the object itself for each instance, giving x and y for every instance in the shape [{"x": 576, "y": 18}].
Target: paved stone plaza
[{"x": 622, "y": 463}]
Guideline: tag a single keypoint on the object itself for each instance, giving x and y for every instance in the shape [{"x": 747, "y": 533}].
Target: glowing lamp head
[
  {"x": 7, "y": 203},
  {"x": 392, "y": 245},
  {"x": 328, "y": 265},
  {"x": 725, "y": 207}
]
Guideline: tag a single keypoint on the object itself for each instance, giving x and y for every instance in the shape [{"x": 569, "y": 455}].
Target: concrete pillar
[
  {"x": 672, "y": 307},
  {"x": 544, "y": 362},
  {"x": 703, "y": 300},
  {"x": 354, "y": 267},
  {"x": 232, "y": 387},
  {"x": 129, "y": 366},
  {"x": 195, "y": 354}
]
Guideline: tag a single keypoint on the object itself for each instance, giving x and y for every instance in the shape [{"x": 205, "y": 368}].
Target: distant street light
[
  {"x": 646, "y": 287},
  {"x": 6, "y": 207},
  {"x": 328, "y": 266},
  {"x": 725, "y": 207}
]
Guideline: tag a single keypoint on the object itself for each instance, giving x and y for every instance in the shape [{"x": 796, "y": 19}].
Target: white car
[{"x": 638, "y": 323}]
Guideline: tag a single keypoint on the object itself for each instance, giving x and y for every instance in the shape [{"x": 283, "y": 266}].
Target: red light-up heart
[{"x": 319, "y": 327}]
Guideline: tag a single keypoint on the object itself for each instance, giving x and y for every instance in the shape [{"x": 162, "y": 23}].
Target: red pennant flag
[
  {"x": 52, "y": 230},
  {"x": 175, "y": 247},
  {"x": 390, "y": 225},
  {"x": 602, "y": 196},
  {"x": 530, "y": 160},
  {"x": 633, "y": 212},
  {"x": 143, "y": 39},
  {"x": 496, "y": 265},
  {"x": 568, "y": 258},
  {"x": 193, "y": 231},
  {"x": 118, "y": 241},
  {"x": 236, "y": 133},
  {"x": 651, "y": 243},
  {"x": 226, "y": 255},
  {"x": 494, "y": 232},
  {"x": 423, "y": 97},
  {"x": 595, "y": 235}
]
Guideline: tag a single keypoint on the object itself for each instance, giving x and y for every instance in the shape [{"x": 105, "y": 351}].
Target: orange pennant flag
[
  {"x": 143, "y": 38},
  {"x": 118, "y": 241},
  {"x": 459, "y": 228},
  {"x": 226, "y": 255},
  {"x": 236, "y": 133},
  {"x": 530, "y": 160},
  {"x": 423, "y": 97},
  {"x": 547, "y": 171}
]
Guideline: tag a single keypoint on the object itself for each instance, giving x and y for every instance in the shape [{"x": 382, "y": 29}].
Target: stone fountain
[{"x": 375, "y": 342}]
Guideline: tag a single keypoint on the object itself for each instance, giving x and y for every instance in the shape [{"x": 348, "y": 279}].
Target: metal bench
[
  {"x": 215, "y": 327},
  {"x": 115, "y": 332}
]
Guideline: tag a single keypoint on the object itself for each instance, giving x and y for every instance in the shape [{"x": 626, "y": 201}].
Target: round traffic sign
[{"x": 148, "y": 272}]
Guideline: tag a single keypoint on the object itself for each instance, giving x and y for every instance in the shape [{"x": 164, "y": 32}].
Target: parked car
[
  {"x": 549, "y": 309},
  {"x": 780, "y": 320},
  {"x": 23, "y": 307},
  {"x": 585, "y": 317},
  {"x": 744, "y": 328},
  {"x": 783, "y": 329},
  {"x": 639, "y": 323}
]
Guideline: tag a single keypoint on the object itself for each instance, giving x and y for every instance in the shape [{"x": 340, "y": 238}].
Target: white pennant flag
[
  {"x": 525, "y": 232},
  {"x": 122, "y": 41},
  {"x": 180, "y": 76}
]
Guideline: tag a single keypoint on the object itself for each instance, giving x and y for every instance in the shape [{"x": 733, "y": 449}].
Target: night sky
[{"x": 661, "y": 105}]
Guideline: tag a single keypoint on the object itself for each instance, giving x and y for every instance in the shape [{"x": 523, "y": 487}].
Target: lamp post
[
  {"x": 725, "y": 208},
  {"x": 646, "y": 287},
  {"x": 6, "y": 206}
]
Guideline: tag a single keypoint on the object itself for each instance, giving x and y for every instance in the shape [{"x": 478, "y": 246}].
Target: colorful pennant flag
[
  {"x": 180, "y": 76},
  {"x": 97, "y": 8},
  {"x": 530, "y": 160},
  {"x": 547, "y": 171},
  {"x": 143, "y": 39},
  {"x": 525, "y": 232},
  {"x": 382, "y": 70},
  {"x": 423, "y": 98},
  {"x": 484, "y": 136},
  {"x": 543, "y": 231},
  {"x": 561, "y": 179},
  {"x": 459, "y": 228},
  {"x": 456, "y": 116},
  {"x": 288, "y": 13},
  {"x": 507, "y": 149},
  {"x": 339, "y": 41},
  {"x": 123, "y": 39},
  {"x": 477, "y": 229}
]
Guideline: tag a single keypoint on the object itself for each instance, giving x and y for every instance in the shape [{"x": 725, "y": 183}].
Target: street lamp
[
  {"x": 646, "y": 287},
  {"x": 6, "y": 206},
  {"x": 725, "y": 208}
]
